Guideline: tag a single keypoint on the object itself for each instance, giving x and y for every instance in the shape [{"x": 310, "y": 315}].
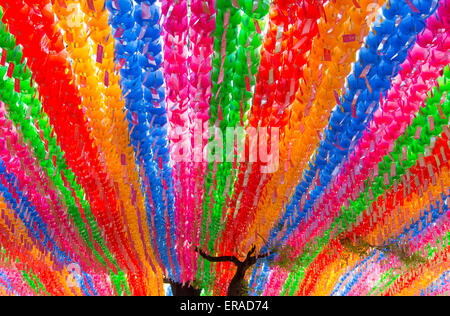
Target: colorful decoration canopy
[{"x": 136, "y": 134}]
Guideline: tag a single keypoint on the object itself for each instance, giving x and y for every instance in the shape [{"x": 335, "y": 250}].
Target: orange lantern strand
[{"x": 19, "y": 16}]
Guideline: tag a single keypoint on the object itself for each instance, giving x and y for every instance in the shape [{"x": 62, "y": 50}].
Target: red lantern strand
[{"x": 34, "y": 26}]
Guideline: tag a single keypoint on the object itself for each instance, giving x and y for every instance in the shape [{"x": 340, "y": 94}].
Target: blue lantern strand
[
  {"x": 418, "y": 228},
  {"x": 339, "y": 137},
  {"x": 34, "y": 223},
  {"x": 386, "y": 47},
  {"x": 136, "y": 29}
]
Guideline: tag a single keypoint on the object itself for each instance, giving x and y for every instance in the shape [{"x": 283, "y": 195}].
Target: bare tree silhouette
[
  {"x": 179, "y": 289},
  {"x": 237, "y": 285}
]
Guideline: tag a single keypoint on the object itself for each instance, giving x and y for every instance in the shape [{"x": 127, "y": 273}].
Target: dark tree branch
[
  {"x": 252, "y": 251},
  {"x": 237, "y": 284},
  {"x": 179, "y": 289},
  {"x": 265, "y": 241},
  {"x": 264, "y": 255},
  {"x": 218, "y": 259}
]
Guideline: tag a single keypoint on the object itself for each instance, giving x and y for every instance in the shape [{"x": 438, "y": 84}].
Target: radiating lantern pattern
[{"x": 138, "y": 135}]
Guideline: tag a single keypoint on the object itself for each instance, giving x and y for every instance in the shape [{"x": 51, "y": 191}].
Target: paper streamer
[
  {"x": 304, "y": 204},
  {"x": 136, "y": 30},
  {"x": 101, "y": 93}
]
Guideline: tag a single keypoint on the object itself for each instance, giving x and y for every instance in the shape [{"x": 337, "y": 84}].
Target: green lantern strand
[
  {"x": 357, "y": 207},
  {"x": 33, "y": 281},
  {"x": 237, "y": 58},
  {"x": 24, "y": 109},
  {"x": 389, "y": 277}
]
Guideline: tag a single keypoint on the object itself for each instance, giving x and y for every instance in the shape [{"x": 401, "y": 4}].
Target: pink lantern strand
[
  {"x": 188, "y": 47},
  {"x": 202, "y": 23},
  {"x": 20, "y": 286},
  {"x": 429, "y": 62},
  {"x": 398, "y": 108},
  {"x": 16, "y": 155},
  {"x": 175, "y": 33}
]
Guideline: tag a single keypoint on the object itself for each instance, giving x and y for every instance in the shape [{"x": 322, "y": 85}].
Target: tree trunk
[
  {"x": 179, "y": 289},
  {"x": 236, "y": 287}
]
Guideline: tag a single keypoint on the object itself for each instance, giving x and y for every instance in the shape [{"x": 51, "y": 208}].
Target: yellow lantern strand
[
  {"x": 301, "y": 136},
  {"x": 20, "y": 237},
  {"x": 423, "y": 276},
  {"x": 330, "y": 277},
  {"x": 409, "y": 211},
  {"x": 100, "y": 30},
  {"x": 101, "y": 93},
  {"x": 428, "y": 275},
  {"x": 388, "y": 227},
  {"x": 71, "y": 21}
]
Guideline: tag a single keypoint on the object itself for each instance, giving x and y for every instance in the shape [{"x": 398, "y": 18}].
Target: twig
[{"x": 218, "y": 259}]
